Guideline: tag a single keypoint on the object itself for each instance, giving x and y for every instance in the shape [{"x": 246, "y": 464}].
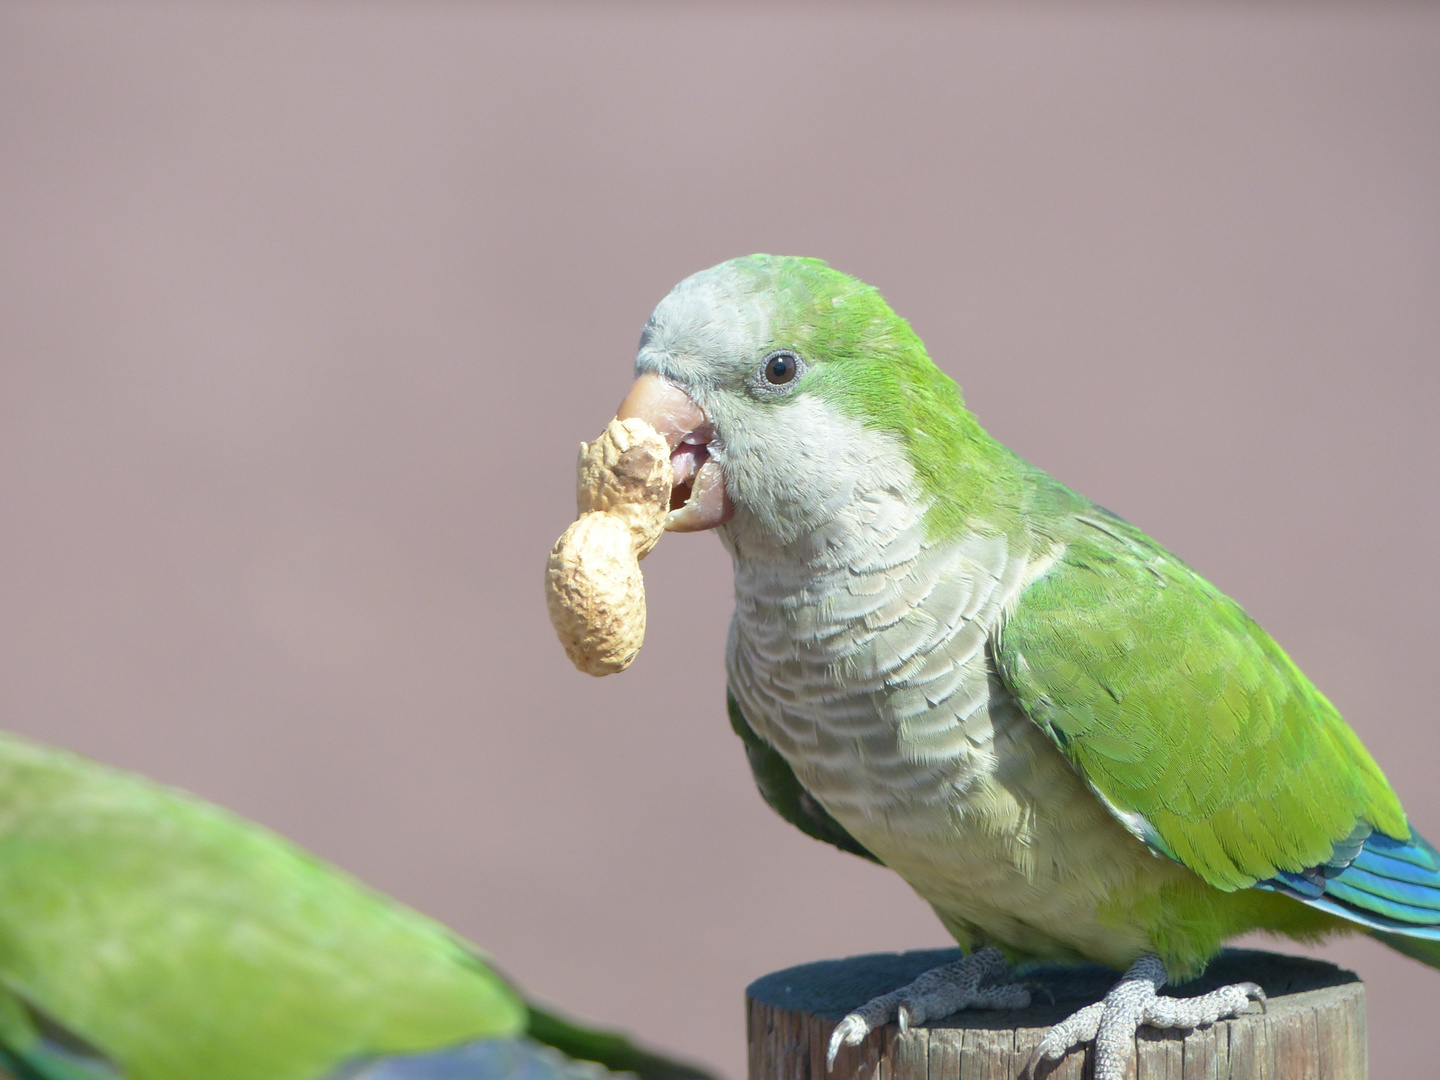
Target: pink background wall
[{"x": 304, "y": 308}]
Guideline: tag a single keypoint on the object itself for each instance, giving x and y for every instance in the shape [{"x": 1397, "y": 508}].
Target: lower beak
[{"x": 698, "y": 499}]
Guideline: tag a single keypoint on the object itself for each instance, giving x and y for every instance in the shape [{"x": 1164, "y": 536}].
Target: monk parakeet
[
  {"x": 1063, "y": 738},
  {"x": 146, "y": 935}
]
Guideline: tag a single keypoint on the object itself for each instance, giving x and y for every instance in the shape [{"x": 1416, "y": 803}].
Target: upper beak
[{"x": 698, "y": 499}]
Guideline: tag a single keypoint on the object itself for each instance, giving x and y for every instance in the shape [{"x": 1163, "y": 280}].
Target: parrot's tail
[
  {"x": 1390, "y": 886},
  {"x": 554, "y": 1049},
  {"x": 608, "y": 1048}
]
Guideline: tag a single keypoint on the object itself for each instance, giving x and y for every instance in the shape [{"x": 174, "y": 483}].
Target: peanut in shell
[{"x": 593, "y": 586}]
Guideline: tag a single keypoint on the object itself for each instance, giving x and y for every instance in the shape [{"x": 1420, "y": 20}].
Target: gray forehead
[{"x": 710, "y": 321}]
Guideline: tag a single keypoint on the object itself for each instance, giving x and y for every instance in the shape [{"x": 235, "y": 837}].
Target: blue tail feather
[
  {"x": 1399, "y": 879},
  {"x": 1389, "y": 886},
  {"x": 1395, "y": 869},
  {"x": 1385, "y": 896},
  {"x": 1417, "y": 851},
  {"x": 1300, "y": 886}
]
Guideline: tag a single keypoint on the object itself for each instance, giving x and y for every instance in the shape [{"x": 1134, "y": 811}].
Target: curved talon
[
  {"x": 902, "y": 1017},
  {"x": 1030, "y": 1063},
  {"x": 1044, "y": 1050},
  {"x": 1075, "y": 1030},
  {"x": 1256, "y": 992},
  {"x": 1036, "y": 1056},
  {"x": 850, "y": 1031}
]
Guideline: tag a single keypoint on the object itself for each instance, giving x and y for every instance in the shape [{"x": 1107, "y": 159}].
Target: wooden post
[{"x": 1314, "y": 1028}]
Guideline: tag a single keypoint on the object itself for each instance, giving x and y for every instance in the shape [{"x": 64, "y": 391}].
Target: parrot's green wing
[
  {"x": 780, "y": 788},
  {"x": 1181, "y": 713}
]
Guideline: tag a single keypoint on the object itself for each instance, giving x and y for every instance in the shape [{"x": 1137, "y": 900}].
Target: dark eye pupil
[{"x": 780, "y": 369}]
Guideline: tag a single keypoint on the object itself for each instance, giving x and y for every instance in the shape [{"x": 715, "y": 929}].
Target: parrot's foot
[
  {"x": 974, "y": 982},
  {"x": 1136, "y": 1000}
]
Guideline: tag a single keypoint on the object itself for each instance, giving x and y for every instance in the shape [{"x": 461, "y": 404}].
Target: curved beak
[{"x": 698, "y": 499}]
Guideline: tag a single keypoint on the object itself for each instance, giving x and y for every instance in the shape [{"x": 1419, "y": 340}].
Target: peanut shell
[{"x": 627, "y": 472}]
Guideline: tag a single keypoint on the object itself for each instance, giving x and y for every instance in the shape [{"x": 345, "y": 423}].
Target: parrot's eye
[{"x": 781, "y": 367}]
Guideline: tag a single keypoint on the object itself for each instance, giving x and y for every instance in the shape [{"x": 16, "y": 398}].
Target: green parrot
[
  {"x": 147, "y": 935},
  {"x": 1070, "y": 744}
]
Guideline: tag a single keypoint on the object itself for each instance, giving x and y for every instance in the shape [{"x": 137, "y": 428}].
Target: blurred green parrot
[{"x": 147, "y": 935}]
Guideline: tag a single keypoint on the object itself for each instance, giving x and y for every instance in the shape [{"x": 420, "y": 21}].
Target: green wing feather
[
  {"x": 178, "y": 940},
  {"x": 1182, "y": 713},
  {"x": 780, "y": 788}
]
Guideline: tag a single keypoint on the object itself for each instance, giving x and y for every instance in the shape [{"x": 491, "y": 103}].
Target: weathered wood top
[{"x": 1314, "y": 1028}]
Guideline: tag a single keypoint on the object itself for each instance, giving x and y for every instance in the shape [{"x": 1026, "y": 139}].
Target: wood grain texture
[{"x": 1314, "y": 1028}]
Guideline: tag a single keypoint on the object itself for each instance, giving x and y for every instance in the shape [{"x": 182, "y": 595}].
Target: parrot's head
[{"x": 796, "y": 403}]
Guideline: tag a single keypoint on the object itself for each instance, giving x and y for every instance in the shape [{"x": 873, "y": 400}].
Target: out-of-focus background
[{"x": 305, "y": 307}]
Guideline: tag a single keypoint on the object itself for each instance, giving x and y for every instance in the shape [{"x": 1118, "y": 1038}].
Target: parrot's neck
[{"x": 838, "y": 506}]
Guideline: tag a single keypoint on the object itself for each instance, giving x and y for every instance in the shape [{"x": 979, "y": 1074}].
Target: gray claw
[
  {"x": 1036, "y": 1056},
  {"x": 850, "y": 1031}
]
